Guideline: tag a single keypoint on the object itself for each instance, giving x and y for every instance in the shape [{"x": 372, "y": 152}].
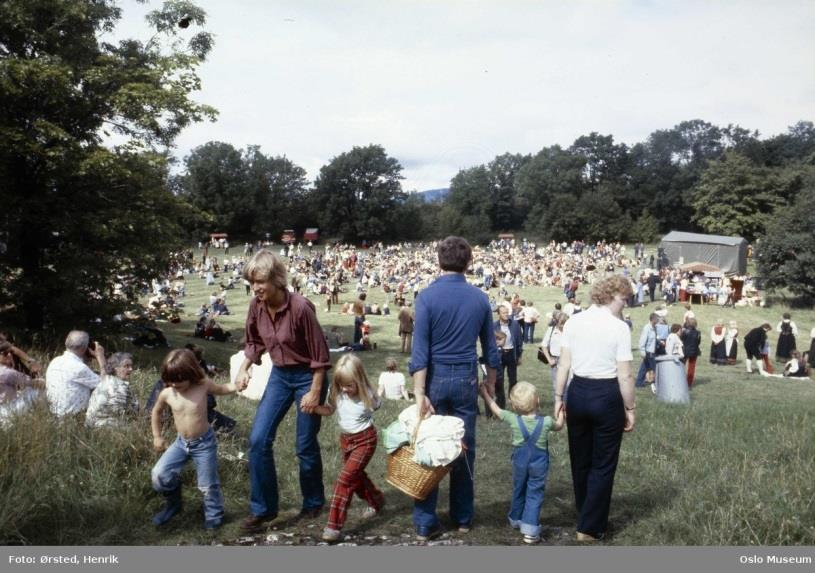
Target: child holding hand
[
  {"x": 530, "y": 455},
  {"x": 185, "y": 392},
  {"x": 353, "y": 400}
]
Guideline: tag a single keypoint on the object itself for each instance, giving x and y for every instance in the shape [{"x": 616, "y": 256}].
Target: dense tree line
[{"x": 84, "y": 214}]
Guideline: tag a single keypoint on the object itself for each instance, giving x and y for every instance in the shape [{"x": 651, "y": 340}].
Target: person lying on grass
[{"x": 187, "y": 388}]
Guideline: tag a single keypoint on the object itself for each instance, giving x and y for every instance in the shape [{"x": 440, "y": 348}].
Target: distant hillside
[{"x": 434, "y": 195}]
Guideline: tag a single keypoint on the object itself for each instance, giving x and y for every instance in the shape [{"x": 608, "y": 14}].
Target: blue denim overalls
[{"x": 530, "y": 465}]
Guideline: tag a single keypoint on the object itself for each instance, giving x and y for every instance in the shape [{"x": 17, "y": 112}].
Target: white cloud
[{"x": 444, "y": 85}]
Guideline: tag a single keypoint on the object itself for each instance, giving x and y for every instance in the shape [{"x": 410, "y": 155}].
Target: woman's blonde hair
[
  {"x": 390, "y": 364},
  {"x": 524, "y": 398},
  {"x": 603, "y": 292},
  {"x": 267, "y": 266},
  {"x": 349, "y": 371}
]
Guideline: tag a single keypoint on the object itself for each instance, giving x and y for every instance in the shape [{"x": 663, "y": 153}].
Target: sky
[{"x": 445, "y": 85}]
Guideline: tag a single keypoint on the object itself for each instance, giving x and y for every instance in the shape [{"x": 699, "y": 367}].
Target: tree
[
  {"x": 78, "y": 216},
  {"x": 278, "y": 188},
  {"x": 358, "y": 192},
  {"x": 786, "y": 253},
  {"x": 736, "y": 197},
  {"x": 466, "y": 210},
  {"x": 551, "y": 172},
  {"x": 215, "y": 182},
  {"x": 505, "y": 213}
]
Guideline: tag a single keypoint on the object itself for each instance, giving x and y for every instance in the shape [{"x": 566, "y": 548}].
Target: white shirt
[
  {"x": 597, "y": 341},
  {"x": 552, "y": 340},
  {"x": 674, "y": 346},
  {"x": 69, "y": 383},
  {"x": 393, "y": 383},
  {"x": 531, "y": 314},
  {"x": 352, "y": 415}
]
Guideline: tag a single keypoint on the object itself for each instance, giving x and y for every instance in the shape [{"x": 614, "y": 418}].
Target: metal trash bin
[{"x": 671, "y": 382}]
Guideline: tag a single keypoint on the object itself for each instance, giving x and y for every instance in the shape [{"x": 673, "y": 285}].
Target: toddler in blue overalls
[{"x": 530, "y": 455}]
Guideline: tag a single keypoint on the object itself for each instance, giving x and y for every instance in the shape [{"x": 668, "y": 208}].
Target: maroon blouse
[{"x": 293, "y": 338}]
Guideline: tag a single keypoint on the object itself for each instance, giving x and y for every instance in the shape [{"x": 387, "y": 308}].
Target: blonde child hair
[
  {"x": 524, "y": 398},
  {"x": 349, "y": 371}
]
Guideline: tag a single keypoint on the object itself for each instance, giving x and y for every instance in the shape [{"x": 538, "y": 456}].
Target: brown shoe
[
  {"x": 253, "y": 523},
  {"x": 310, "y": 513},
  {"x": 586, "y": 538}
]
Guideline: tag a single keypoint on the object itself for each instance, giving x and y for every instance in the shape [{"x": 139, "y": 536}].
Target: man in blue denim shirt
[{"x": 451, "y": 315}]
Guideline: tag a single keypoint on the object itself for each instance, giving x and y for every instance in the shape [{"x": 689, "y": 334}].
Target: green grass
[{"x": 733, "y": 468}]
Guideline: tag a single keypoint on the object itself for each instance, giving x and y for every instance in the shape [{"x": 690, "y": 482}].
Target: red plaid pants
[{"x": 357, "y": 451}]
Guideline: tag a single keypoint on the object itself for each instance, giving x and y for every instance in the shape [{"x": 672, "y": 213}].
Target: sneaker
[
  {"x": 586, "y": 538},
  {"x": 370, "y": 512},
  {"x": 214, "y": 524},
  {"x": 653, "y": 389},
  {"x": 531, "y": 539},
  {"x": 331, "y": 535},
  {"x": 424, "y": 534},
  {"x": 465, "y": 527},
  {"x": 253, "y": 523}
]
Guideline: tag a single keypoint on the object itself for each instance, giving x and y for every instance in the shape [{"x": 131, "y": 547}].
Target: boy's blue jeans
[
  {"x": 530, "y": 466},
  {"x": 648, "y": 363},
  {"x": 287, "y": 386},
  {"x": 204, "y": 453},
  {"x": 453, "y": 391}
]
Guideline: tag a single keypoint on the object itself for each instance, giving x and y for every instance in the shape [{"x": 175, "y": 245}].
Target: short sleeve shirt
[
  {"x": 530, "y": 422},
  {"x": 597, "y": 341}
]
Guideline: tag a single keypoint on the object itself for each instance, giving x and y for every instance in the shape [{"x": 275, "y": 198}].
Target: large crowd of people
[{"x": 449, "y": 296}]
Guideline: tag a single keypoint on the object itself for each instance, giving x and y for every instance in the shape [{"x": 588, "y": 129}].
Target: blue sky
[{"x": 448, "y": 84}]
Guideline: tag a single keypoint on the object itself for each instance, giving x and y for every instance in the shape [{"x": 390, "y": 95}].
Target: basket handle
[{"x": 416, "y": 432}]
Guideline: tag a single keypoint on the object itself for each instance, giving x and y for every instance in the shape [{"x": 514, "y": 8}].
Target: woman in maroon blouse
[{"x": 285, "y": 325}]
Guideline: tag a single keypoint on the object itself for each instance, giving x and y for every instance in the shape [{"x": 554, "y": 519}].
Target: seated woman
[
  {"x": 219, "y": 307},
  {"x": 17, "y": 390},
  {"x": 392, "y": 383},
  {"x": 111, "y": 401},
  {"x": 214, "y": 331},
  {"x": 796, "y": 367}
]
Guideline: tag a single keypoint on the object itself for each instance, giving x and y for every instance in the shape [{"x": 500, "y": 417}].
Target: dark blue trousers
[{"x": 595, "y": 418}]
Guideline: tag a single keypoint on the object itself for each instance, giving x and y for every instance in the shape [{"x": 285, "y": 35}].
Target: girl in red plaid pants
[{"x": 353, "y": 400}]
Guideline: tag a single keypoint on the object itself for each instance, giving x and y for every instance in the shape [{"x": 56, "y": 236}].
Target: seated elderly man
[{"x": 68, "y": 380}]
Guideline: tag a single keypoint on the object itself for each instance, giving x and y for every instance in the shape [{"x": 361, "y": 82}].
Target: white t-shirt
[
  {"x": 393, "y": 383},
  {"x": 352, "y": 415},
  {"x": 597, "y": 341}
]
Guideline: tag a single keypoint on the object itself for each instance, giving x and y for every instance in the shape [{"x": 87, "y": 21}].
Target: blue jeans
[
  {"x": 648, "y": 363},
  {"x": 204, "y": 453},
  {"x": 529, "y": 332},
  {"x": 287, "y": 386},
  {"x": 530, "y": 466},
  {"x": 453, "y": 391}
]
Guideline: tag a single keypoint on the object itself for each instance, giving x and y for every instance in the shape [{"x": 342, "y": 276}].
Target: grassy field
[{"x": 733, "y": 468}]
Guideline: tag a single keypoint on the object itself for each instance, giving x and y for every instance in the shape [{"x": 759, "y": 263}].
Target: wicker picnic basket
[{"x": 409, "y": 477}]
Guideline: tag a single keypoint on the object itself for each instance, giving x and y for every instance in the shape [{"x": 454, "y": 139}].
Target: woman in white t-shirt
[
  {"x": 596, "y": 347},
  {"x": 392, "y": 383}
]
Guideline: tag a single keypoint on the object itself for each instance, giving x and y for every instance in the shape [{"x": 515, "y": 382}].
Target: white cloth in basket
[{"x": 439, "y": 440}]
